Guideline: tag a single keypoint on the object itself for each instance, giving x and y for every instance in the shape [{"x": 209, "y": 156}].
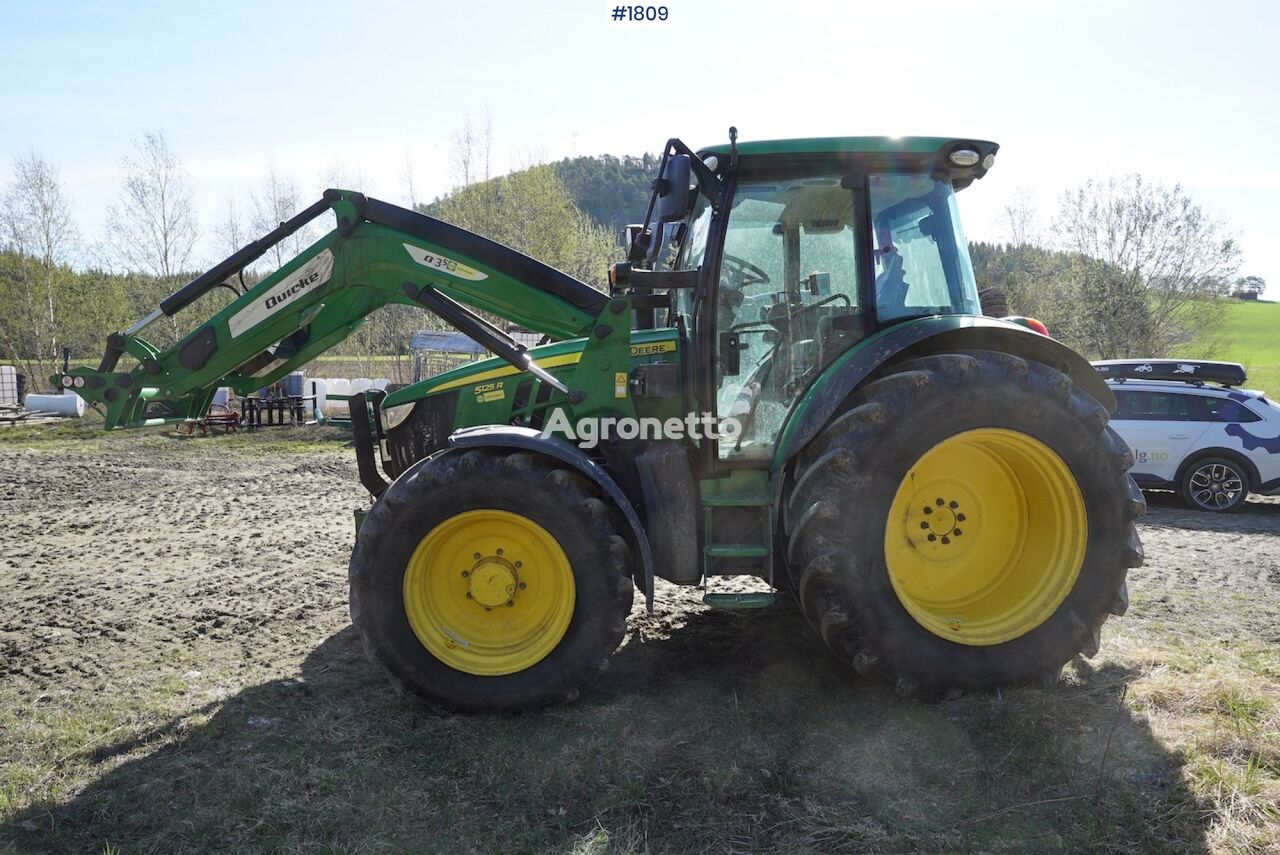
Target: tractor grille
[
  {"x": 425, "y": 431},
  {"x": 529, "y": 405}
]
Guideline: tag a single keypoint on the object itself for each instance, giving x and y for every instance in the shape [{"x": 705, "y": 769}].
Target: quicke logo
[{"x": 280, "y": 296}]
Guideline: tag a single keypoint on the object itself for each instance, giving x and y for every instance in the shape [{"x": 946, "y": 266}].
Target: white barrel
[
  {"x": 381, "y": 384},
  {"x": 69, "y": 405},
  {"x": 361, "y": 384}
]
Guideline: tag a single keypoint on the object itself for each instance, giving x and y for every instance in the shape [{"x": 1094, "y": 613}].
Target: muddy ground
[{"x": 165, "y": 581}]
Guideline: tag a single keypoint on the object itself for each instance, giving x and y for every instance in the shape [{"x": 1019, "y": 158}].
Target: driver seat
[{"x": 891, "y": 286}]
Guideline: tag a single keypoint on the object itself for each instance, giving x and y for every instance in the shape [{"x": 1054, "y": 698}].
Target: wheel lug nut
[
  {"x": 499, "y": 550},
  {"x": 477, "y": 556},
  {"x": 957, "y": 532},
  {"x": 939, "y": 502},
  {"x": 465, "y": 574},
  {"x": 523, "y": 585},
  {"x": 518, "y": 565},
  {"x": 953, "y": 505},
  {"x": 928, "y": 510},
  {"x": 959, "y": 517},
  {"x": 946, "y": 539},
  {"x": 510, "y": 604},
  {"x": 932, "y": 538},
  {"x": 924, "y": 525},
  {"x": 468, "y": 595}
]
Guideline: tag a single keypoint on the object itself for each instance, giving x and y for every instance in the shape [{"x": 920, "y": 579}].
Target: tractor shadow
[{"x": 711, "y": 731}]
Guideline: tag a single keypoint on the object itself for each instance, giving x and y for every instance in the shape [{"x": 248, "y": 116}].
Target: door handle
[{"x": 1180, "y": 436}]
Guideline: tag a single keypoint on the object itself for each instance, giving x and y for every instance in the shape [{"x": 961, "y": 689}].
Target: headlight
[{"x": 393, "y": 416}]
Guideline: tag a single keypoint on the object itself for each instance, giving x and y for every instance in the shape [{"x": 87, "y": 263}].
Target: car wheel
[{"x": 1215, "y": 484}]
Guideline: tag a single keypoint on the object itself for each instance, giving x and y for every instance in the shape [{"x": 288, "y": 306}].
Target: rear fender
[
  {"x": 528, "y": 439},
  {"x": 940, "y": 334}
]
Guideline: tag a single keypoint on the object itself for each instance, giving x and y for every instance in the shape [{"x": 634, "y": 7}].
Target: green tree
[
  {"x": 533, "y": 211},
  {"x": 1250, "y": 286},
  {"x": 36, "y": 228},
  {"x": 1155, "y": 254},
  {"x": 613, "y": 191}
]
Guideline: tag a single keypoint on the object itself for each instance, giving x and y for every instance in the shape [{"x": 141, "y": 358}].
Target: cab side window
[
  {"x": 1156, "y": 406},
  {"x": 1227, "y": 410}
]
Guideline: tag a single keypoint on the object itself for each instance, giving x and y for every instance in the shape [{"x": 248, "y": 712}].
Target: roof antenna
[{"x": 733, "y": 147}]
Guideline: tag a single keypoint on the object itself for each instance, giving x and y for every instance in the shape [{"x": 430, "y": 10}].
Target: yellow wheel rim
[
  {"x": 986, "y": 536},
  {"x": 489, "y": 592}
]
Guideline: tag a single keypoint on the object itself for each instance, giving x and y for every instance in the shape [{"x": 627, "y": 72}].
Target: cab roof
[
  {"x": 872, "y": 154},
  {"x": 849, "y": 145}
]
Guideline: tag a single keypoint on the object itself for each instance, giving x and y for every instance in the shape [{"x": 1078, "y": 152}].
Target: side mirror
[
  {"x": 629, "y": 234},
  {"x": 672, "y": 189}
]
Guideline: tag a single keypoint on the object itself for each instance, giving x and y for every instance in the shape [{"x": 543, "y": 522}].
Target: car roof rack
[{"x": 1194, "y": 371}]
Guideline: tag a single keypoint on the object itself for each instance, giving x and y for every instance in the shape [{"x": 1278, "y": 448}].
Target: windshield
[{"x": 921, "y": 255}]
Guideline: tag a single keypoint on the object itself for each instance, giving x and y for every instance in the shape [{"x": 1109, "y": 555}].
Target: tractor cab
[{"x": 800, "y": 249}]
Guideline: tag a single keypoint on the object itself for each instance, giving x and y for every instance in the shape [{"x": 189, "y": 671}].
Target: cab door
[{"x": 789, "y": 273}]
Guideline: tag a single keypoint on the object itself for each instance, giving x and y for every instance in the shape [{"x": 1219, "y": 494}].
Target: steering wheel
[{"x": 744, "y": 272}]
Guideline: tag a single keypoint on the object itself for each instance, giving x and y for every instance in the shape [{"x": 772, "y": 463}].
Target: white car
[{"x": 1192, "y": 432}]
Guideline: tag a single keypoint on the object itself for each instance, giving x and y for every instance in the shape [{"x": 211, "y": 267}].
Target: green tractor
[{"x": 790, "y": 379}]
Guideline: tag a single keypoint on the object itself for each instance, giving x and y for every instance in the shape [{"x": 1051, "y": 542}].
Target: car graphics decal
[{"x": 1251, "y": 441}]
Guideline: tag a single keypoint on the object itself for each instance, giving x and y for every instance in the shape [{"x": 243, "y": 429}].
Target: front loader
[{"x": 790, "y": 379}]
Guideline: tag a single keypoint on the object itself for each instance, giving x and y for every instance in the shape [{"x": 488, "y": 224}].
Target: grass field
[{"x": 1251, "y": 336}]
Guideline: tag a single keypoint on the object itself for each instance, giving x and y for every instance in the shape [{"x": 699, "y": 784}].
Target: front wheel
[
  {"x": 489, "y": 581},
  {"x": 966, "y": 523},
  {"x": 1215, "y": 484}
]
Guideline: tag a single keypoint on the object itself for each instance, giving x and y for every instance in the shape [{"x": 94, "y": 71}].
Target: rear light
[{"x": 1033, "y": 324}]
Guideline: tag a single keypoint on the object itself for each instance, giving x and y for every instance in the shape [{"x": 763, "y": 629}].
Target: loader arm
[{"x": 376, "y": 255}]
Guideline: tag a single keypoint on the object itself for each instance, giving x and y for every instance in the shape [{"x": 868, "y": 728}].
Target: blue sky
[{"x": 1184, "y": 92}]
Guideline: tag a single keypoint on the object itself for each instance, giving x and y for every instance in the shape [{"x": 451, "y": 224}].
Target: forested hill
[{"x": 613, "y": 191}]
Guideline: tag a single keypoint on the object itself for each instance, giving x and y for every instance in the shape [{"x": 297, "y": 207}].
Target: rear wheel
[
  {"x": 485, "y": 581},
  {"x": 1215, "y": 484},
  {"x": 967, "y": 523}
]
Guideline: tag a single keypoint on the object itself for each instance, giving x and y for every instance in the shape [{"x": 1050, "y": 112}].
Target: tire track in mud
[
  {"x": 118, "y": 560},
  {"x": 115, "y": 560}
]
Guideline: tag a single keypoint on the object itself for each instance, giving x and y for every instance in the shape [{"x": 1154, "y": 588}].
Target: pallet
[{"x": 12, "y": 416}]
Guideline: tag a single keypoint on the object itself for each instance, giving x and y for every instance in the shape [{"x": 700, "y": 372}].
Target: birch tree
[
  {"x": 1153, "y": 252},
  {"x": 37, "y": 228}
]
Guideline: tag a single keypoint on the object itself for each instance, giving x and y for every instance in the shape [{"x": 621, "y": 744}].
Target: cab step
[
  {"x": 744, "y": 501},
  {"x": 736, "y": 550},
  {"x": 753, "y": 600}
]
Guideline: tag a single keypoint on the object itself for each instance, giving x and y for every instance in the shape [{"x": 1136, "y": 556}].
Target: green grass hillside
[{"x": 1251, "y": 336}]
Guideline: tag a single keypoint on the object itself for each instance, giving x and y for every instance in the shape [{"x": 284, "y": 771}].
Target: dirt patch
[
  {"x": 121, "y": 556},
  {"x": 175, "y": 611}
]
